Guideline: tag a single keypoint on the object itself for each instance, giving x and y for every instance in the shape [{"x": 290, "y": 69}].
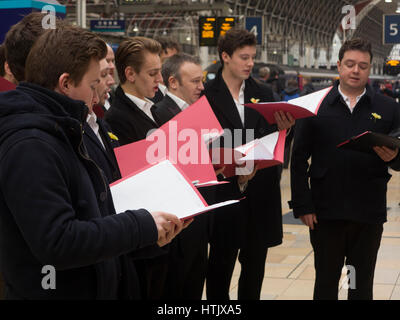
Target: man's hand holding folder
[
  {"x": 168, "y": 226},
  {"x": 385, "y": 146}
]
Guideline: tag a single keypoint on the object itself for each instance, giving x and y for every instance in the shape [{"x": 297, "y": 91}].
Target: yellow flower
[
  {"x": 254, "y": 100},
  {"x": 376, "y": 116},
  {"x": 113, "y": 136}
]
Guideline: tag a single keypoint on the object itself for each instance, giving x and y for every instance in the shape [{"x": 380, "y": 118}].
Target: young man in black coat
[
  {"x": 130, "y": 117},
  {"x": 255, "y": 224},
  {"x": 97, "y": 135},
  {"x": 139, "y": 70},
  {"x": 345, "y": 207},
  {"x": 55, "y": 202}
]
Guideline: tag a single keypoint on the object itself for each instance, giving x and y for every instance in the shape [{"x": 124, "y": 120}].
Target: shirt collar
[
  {"x": 181, "y": 103},
  {"x": 162, "y": 88},
  {"x": 91, "y": 119},
  {"x": 142, "y": 104},
  {"x": 346, "y": 98},
  {"x": 334, "y": 94}
]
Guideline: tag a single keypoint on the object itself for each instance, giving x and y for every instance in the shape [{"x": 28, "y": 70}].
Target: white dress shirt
[
  {"x": 92, "y": 122},
  {"x": 240, "y": 103},
  {"x": 347, "y": 99},
  {"x": 181, "y": 103},
  {"x": 144, "y": 105},
  {"x": 162, "y": 88}
]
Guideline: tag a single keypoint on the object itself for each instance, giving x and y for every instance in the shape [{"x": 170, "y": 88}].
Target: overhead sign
[
  {"x": 210, "y": 28},
  {"x": 224, "y": 24},
  {"x": 107, "y": 25},
  {"x": 393, "y": 63},
  {"x": 207, "y": 31},
  {"x": 255, "y": 25},
  {"x": 391, "y": 29}
]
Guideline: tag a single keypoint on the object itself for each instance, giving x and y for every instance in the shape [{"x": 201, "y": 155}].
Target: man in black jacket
[
  {"x": 55, "y": 203},
  {"x": 345, "y": 207},
  {"x": 139, "y": 70},
  {"x": 187, "y": 257},
  {"x": 130, "y": 117},
  {"x": 98, "y": 137},
  {"x": 255, "y": 224}
]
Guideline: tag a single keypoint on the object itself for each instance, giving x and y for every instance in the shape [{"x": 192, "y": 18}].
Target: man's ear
[
  {"x": 130, "y": 74},
  {"x": 338, "y": 65},
  {"x": 8, "y": 72},
  {"x": 225, "y": 56},
  {"x": 173, "y": 82},
  {"x": 64, "y": 84}
]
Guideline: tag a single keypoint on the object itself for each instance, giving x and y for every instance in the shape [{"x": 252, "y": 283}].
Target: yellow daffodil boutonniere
[
  {"x": 375, "y": 116},
  {"x": 113, "y": 136},
  {"x": 253, "y": 100}
]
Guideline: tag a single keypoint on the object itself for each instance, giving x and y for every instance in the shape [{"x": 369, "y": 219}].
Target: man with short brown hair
[
  {"x": 248, "y": 229},
  {"x": 131, "y": 118},
  {"x": 56, "y": 210},
  {"x": 341, "y": 195}
]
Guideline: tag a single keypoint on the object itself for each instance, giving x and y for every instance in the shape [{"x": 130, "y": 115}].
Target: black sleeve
[
  {"x": 301, "y": 202},
  {"x": 36, "y": 186}
]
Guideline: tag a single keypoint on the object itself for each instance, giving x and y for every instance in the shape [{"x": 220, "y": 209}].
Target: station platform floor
[{"x": 289, "y": 269}]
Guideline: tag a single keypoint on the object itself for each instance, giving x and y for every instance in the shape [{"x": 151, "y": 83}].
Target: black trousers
[
  {"x": 337, "y": 243},
  {"x": 221, "y": 263},
  {"x": 186, "y": 272}
]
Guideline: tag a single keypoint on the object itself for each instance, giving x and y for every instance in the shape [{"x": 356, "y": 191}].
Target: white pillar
[
  {"x": 203, "y": 54},
  {"x": 81, "y": 13}
]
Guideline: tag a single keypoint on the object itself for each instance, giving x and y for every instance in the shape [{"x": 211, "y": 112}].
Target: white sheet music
[
  {"x": 310, "y": 101},
  {"x": 260, "y": 149},
  {"x": 159, "y": 188}
]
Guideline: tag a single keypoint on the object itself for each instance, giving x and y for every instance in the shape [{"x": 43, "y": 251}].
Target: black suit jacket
[
  {"x": 345, "y": 184},
  {"x": 104, "y": 157},
  {"x": 260, "y": 213},
  {"x": 196, "y": 235},
  {"x": 165, "y": 110},
  {"x": 127, "y": 121}
]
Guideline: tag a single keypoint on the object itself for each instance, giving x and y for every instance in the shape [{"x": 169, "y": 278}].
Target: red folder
[
  {"x": 231, "y": 158},
  {"x": 302, "y": 107},
  {"x": 180, "y": 140}
]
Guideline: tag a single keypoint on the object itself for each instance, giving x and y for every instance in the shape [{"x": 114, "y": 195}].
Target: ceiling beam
[{"x": 152, "y": 8}]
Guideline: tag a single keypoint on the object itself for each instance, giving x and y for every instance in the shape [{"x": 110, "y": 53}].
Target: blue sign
[
  {"x": 391, "y": 29},
  {"x": 255, "y": 25},
  {"x": 11, "y": 12},
  {"x": 107, "y": 25}
]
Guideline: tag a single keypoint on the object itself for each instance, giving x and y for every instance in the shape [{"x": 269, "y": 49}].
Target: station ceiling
[{"x": 308, "y": 22}]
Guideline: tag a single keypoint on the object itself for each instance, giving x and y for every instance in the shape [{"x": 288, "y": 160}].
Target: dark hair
[
  {"x": 131, "y": 53},
  {"x": 358, "y": 44},
  {"x": 20, "y": 39},
  {"x": 2, "y": 60},
  {"x": 168, "y": 43},
  {"x": 172, "y": 65},
  {"x": 235, "y": 39},
  {"x": 67, "y": 49}
]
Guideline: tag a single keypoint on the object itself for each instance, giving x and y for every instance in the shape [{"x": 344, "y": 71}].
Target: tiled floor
[{"x": 289, "y": 270}]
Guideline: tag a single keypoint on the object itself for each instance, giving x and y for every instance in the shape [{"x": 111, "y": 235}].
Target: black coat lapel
[
  {"x": 225, "y": 103},
  {"x": 251, "y": 117},
  {"x": 134, "y": 107},
  {"x": 92, "y": 136},
  {"x": 172, "y": 106}
]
